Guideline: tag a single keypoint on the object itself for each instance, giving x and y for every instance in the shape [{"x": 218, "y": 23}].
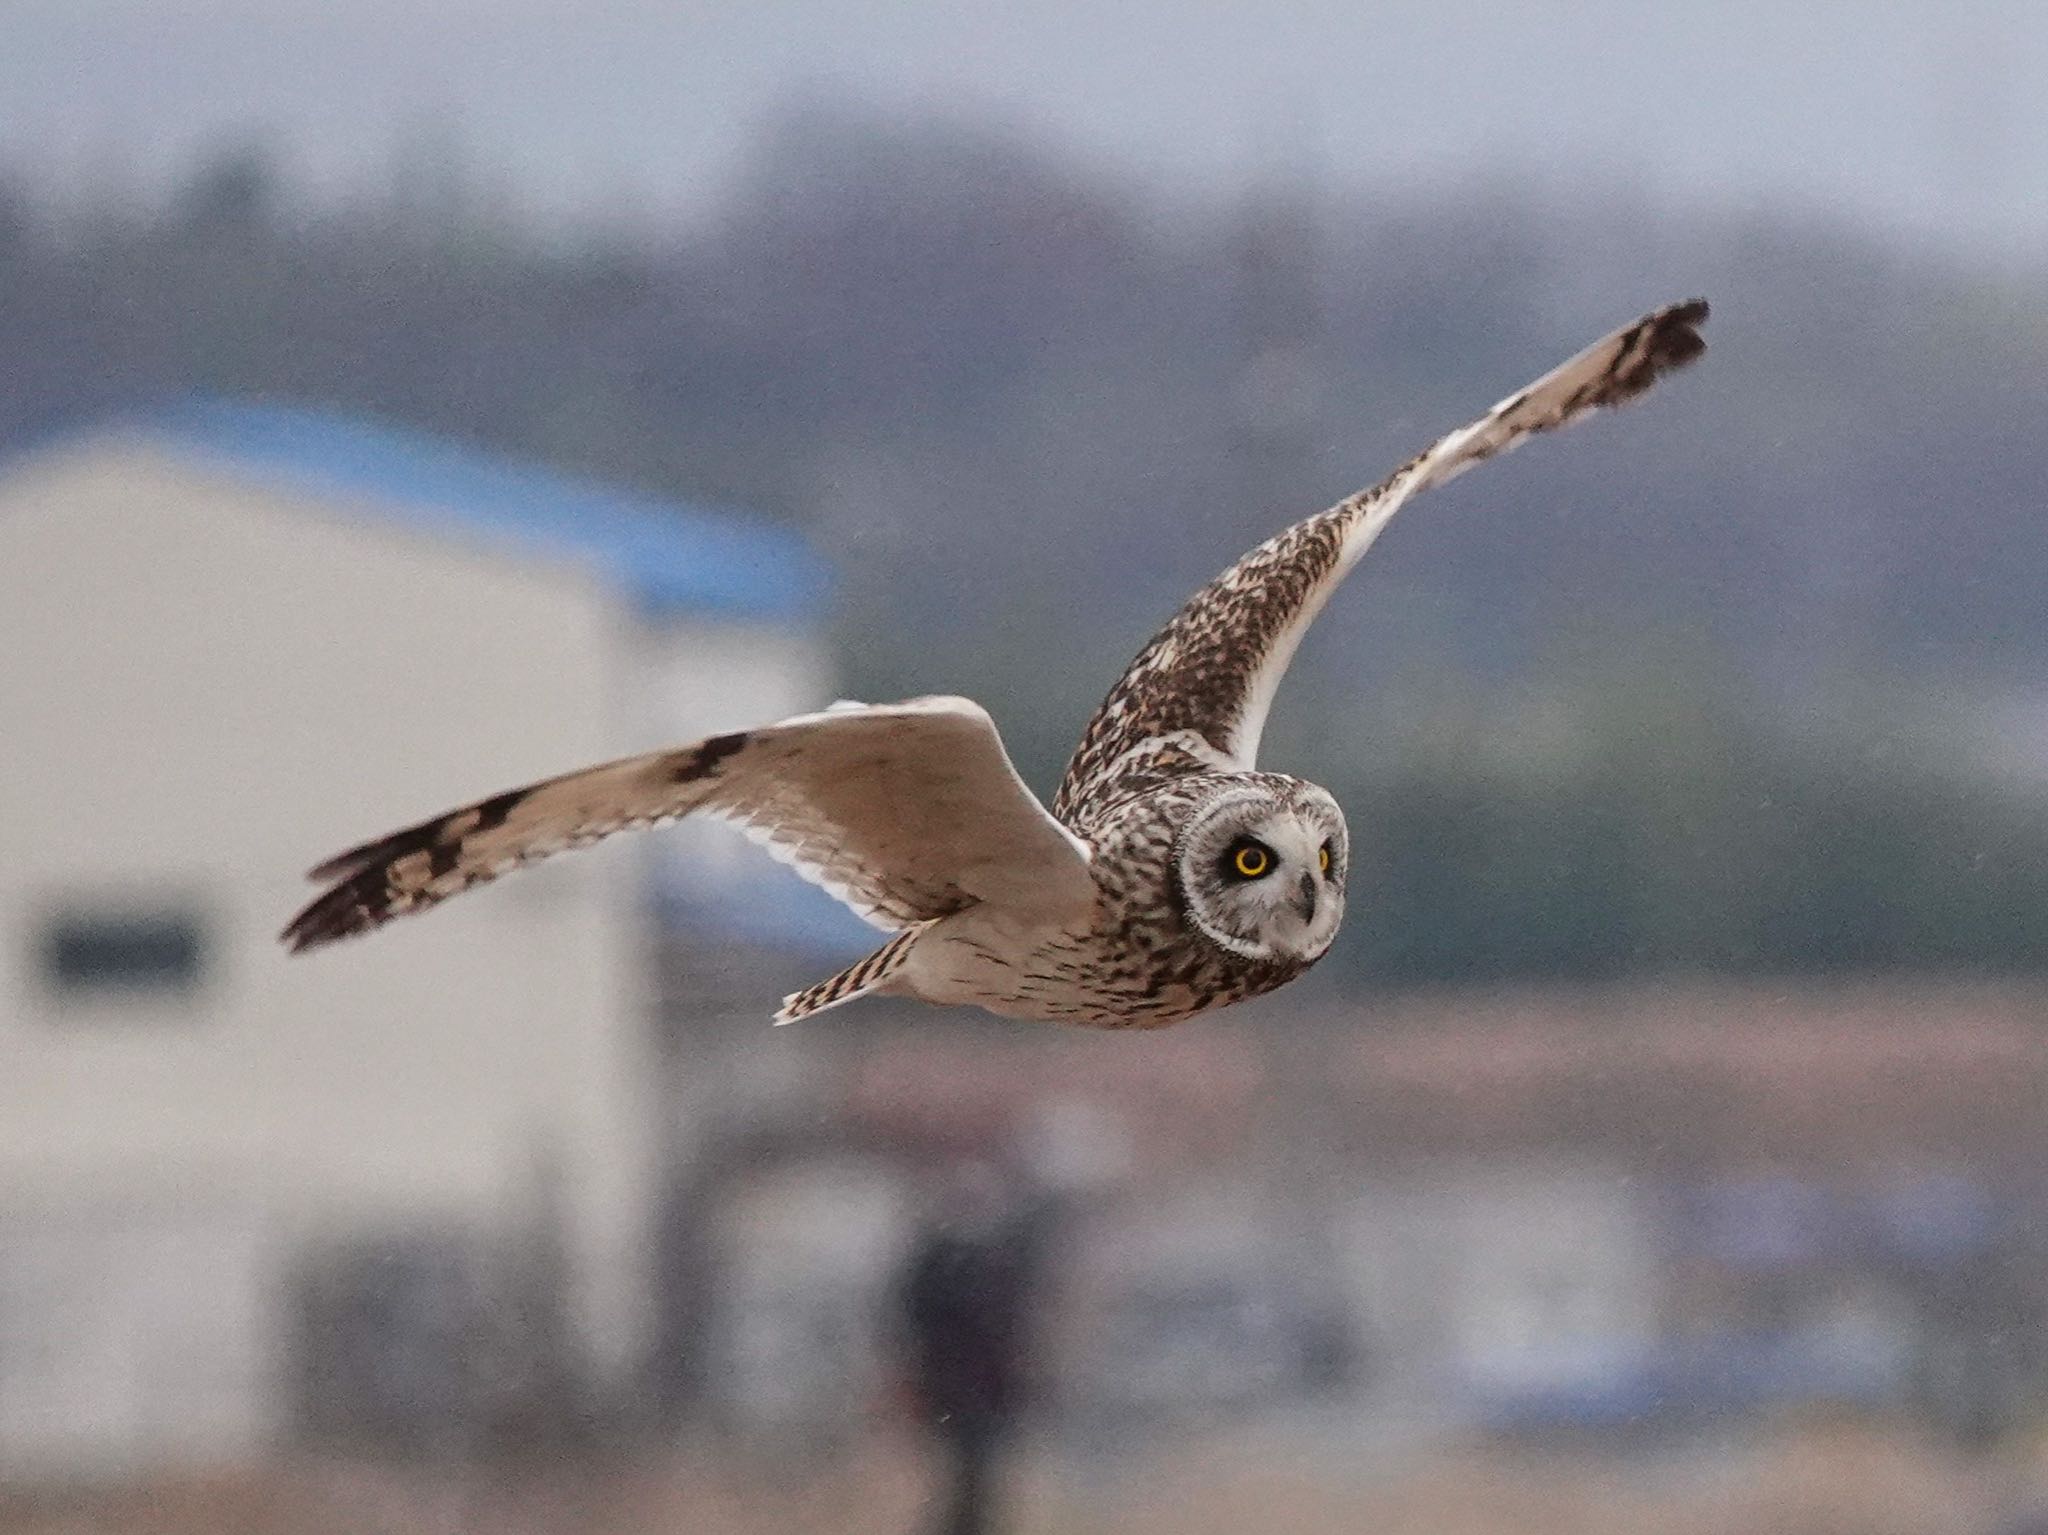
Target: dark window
[{"x": 129, "y": 953}]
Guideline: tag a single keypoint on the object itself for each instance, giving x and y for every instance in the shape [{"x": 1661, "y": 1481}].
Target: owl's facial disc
[{"x": 1262, "y": 870}]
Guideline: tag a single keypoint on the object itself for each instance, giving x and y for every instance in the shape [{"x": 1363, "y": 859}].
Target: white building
[{"x": 234, "y": 639}]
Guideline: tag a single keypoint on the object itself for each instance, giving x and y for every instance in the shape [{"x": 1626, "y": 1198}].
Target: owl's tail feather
[{"x": 856, "y": 980}]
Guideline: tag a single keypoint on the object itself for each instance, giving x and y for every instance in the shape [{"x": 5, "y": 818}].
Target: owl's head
[{"x": 1261, "y": 866}]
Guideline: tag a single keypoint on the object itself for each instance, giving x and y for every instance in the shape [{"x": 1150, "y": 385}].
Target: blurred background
[{"x": 402, "y": 401}]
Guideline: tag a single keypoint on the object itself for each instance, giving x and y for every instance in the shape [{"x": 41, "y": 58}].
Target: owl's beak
[{"x": 1307, "y": 904}]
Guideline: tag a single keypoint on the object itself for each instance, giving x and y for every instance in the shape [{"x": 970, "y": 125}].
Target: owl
[{"x": 1170, "y": 875}]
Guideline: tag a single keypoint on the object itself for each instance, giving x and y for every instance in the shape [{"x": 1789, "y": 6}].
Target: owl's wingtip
[{"x": 1675, "y": 338}]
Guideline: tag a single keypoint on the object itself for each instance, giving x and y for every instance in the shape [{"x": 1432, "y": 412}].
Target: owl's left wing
[
  {"x": 905, "y": 812},
  {"x": 1196, "y": 696}
]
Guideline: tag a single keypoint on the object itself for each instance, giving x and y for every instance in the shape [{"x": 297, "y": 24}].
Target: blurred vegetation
[
  {"x": 1689, "y": 830},
  {"x": 1026, "y": 410}
]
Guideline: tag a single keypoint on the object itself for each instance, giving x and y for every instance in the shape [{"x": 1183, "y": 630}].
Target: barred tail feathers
[{"x": 856, "y": 980}]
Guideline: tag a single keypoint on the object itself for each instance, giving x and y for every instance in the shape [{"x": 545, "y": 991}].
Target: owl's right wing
[
  {"x": 1196, "y": 697},
  {"x": 905, "y": 812}
]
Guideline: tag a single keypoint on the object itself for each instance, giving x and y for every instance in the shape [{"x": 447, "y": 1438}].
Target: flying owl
[{"x": 1170, "y": 875}]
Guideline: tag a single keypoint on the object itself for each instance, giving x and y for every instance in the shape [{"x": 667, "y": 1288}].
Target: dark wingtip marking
[
  {"x": 1674, "y": 334},
  {"x": 363, "y": 898},
  {"x": 410, "y": 840},
  {"x": 347, "y": 862},
  {"x": 485, "y": 815},
  {"x": 354, "y": 906},
  {"x": 1656, "y": 345}
]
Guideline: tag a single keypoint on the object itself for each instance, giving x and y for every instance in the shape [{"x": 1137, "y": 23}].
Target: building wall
[
  {"x": 206, "y": 688},
  {"x": 137, "y": 1331}
]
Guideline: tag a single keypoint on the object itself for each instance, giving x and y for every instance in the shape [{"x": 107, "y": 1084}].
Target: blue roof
[{"x": 671, "y": 557}]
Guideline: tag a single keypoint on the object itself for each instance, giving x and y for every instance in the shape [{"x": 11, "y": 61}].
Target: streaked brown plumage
[{"x": 1169, "y": 877}]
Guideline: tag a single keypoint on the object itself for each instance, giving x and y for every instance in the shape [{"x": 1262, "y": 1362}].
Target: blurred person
[{"x": 965, "y": 1299}]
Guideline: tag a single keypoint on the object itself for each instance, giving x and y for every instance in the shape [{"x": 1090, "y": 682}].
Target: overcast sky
[{"x": 1924, "y": 115}]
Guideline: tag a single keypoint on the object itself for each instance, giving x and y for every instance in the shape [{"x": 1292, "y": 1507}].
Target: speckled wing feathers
[
  {"x": 1196, "y": 697},
  {"x": 905, "y": 812}
]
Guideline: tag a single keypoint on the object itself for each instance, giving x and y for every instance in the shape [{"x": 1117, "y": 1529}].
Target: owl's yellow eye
[
  {"x": 1323, "y": 857},
  {"x": 1252, "y": 860}
]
